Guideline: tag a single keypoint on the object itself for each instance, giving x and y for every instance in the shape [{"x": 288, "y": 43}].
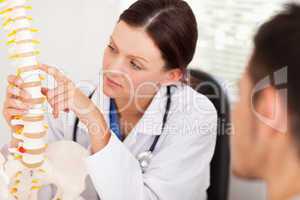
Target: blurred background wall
[{"x": 74, "y": 33}]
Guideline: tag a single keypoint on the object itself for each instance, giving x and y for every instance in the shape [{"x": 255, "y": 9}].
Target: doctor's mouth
[{"x": 111, "y": 83}]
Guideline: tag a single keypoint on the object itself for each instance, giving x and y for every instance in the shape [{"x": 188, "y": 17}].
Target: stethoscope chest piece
[{"x": 144, "y": 159}]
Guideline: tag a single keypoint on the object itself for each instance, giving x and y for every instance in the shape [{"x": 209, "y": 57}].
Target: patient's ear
[
  {"x": 271, "y": 113},
  {"x": 172, "y": 76}
]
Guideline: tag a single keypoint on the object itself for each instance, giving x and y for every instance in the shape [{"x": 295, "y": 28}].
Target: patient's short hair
[{"x": 277, "y": 45}]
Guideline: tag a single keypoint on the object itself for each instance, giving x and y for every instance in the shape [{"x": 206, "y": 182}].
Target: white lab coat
[{"x": 179, "y": 169}]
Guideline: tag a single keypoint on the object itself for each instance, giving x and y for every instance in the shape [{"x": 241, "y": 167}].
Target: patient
[{"x": 266, "y": 141}]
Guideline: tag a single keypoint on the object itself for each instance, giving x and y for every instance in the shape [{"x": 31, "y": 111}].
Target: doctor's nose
[
  {"x": 116, "y": 69},
  {"x": 117, "y": 65}
]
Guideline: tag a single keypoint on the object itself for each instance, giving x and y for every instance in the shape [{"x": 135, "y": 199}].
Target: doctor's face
[{"x": 132, "y": 63}]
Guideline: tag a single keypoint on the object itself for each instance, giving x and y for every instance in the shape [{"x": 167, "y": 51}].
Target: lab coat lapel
[
  {"x": 151, "y": 122},
  {"x": 142, "y": 135}
]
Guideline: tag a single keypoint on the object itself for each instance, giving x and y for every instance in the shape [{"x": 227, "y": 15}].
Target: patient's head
[
  {"x": 151, "y": 45},
  {"x": 267, "y": 116}
]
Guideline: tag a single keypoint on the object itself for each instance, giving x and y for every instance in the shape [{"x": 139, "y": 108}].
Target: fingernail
[
  {"x": 15, "y": 91},
  {"x": 19, "y": 82}
]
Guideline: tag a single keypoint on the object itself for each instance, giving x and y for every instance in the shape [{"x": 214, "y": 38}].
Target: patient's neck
[{"x": 283, "y": 178}]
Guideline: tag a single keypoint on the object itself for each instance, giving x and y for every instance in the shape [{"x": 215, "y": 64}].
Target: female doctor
[{"x": 150, "y": 135}]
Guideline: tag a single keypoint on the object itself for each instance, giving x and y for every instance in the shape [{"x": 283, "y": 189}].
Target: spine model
[
  {"x": 33, "y": 164},
  {"x": 29, "y": 130}
]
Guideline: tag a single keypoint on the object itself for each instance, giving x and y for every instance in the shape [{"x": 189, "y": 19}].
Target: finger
[
  {"x": 60, "y": 106},
  {"x": 57, "y": 75},
  {"x": 12, "y": 91},
  {"x": 59, "y": 102},
  {"x": 58, "y": 98},
  {"x": 16, "y": 112},
  {"x": 15, "y": 80},
  {"x": 16, "y": 104},
  {"x": 60, "y": 89},
  {"x": 17, "y": 92},
  {"x": 11, "y": 112}
]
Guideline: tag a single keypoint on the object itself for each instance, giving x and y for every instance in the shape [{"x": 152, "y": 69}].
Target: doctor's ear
[{"x": 172, "y": 76}]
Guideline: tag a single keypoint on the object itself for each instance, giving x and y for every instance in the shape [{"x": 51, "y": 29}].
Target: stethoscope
[{"x": 145, "y": 157}]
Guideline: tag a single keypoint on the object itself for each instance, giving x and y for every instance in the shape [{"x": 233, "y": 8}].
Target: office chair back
[{"x": 220, "y": 170}]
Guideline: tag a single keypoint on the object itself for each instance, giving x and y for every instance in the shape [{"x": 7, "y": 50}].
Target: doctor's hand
[
  {"x": 15, "y": 104},
  {"x": 15, "y": 100},
  {"x": 66, "y": 96}
]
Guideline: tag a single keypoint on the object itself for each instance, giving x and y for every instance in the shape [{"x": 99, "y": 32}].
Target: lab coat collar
[{"x": 151, "y": 121}]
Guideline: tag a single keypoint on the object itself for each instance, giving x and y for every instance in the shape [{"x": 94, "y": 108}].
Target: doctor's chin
[{"x": 150, "y": 100}]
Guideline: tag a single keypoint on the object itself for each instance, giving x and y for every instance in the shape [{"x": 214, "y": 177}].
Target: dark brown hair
[
  {"x": 172, "y": 26},
  {"x": 277, "y": 45}
]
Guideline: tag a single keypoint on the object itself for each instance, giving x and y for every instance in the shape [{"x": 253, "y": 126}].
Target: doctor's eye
[
  {"x": 111, "y": 48},
  {"x": 135, "y": 66}
]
